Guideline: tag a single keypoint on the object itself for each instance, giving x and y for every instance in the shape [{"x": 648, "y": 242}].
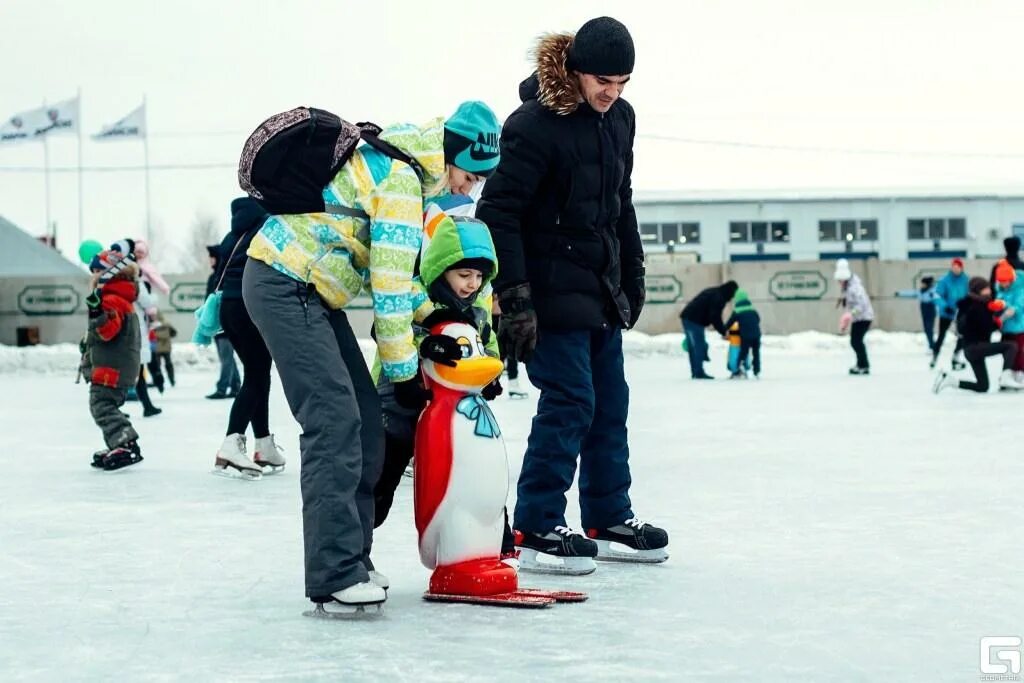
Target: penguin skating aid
[{"x": 461, "y": 484}]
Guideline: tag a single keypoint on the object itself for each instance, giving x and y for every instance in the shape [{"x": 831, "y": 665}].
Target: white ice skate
[
  {"x": 1008, "y": 381},
  {"x": 943, "y": 380},
  {"x": 515, "y": 390},
  {"x": 268, "y": 455},
  {"x": 232, "y": 455},
  {"x": 379, "y": 580},
  {"x": 351, "y": 602}
]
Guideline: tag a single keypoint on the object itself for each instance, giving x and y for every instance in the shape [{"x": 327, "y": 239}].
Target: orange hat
[{"x": 1005, "y": 273}]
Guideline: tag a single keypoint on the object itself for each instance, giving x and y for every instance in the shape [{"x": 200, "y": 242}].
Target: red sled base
[{"x": 528, "y": 598}]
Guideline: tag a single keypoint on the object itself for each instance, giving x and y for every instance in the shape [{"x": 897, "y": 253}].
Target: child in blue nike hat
[{"x": 471, "y": 148}]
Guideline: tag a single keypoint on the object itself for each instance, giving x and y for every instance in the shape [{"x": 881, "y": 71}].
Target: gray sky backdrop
[{"x": 931, "y": 89}]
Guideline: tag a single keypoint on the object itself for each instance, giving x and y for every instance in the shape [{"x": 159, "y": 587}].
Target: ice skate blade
[
  {"x": 517, "y": 599},
  {"x": 236, "y": 473},
  {"x": 270, "y": 470},
  {"x": 372, "y": 610},
  {"x": 610, "y": 551},
  {"x": 516, "y": 396},
  {"x": 541, "y": 563},
  {"x": 121, "y": 463},
  {"x": 557, "y": 596}
]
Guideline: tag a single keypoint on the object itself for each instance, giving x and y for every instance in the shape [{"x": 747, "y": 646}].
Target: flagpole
[
  {"x": 81, "y": 213},
  {"x": 145, "y": 152},
  {"x": 46, "y": 176}
]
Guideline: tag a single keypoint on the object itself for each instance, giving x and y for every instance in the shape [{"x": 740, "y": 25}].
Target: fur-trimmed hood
[{"x": 552, "y": 84}]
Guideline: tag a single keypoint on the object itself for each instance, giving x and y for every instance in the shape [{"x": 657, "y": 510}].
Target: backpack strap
[
  {"x": 370, "y": 134},
  {"x": 344, "y": 210}
]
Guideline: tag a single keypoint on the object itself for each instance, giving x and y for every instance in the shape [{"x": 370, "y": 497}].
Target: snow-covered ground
[{"x": 824, "y": 527}]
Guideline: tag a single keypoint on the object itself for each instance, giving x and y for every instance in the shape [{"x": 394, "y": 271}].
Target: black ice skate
[
  {"x": 97, "y": 458},
  {"x": 560, "y": 551},
  {"x": 122, "y": 456},
  {"x": 631, "y": 541}
]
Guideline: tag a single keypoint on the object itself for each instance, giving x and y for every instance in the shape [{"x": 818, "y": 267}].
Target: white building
[{"x": 813, "y": 225}]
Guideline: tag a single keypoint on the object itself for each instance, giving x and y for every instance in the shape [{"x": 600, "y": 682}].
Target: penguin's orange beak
[{"x": 472, "y": 372}]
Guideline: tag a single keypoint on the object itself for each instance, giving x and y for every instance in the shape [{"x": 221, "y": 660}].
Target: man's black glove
[
  {"x": 411, "y": 394},
  {"x": 635, "y": 287},
  {"x": 492, "y": 391},
  {"x": 441, "y": 349},
  {"x": 517, "y": 329}
]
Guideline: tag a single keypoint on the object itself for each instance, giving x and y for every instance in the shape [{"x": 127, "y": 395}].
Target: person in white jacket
[{"x": 857, "y": 314}]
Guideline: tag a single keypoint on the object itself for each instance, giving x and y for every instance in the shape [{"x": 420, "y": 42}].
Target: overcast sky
[{"x": 934, "y": 85}]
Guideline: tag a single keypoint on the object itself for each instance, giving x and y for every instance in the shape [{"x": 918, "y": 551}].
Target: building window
[
  {"x": 759, "y": 231},
  {"x": 848, "y": 229},
  {"x": 689, "y": 233},
  {"x": 780, "y": 231},
  {"x": 936, "y": 228},
  {"x": 828, "y": 231},
  {"x": 674, "y": 233},
  {"x": 956, "y": 229},
  {"x": 867, "y": 230},
  {"x": 915, "y": 229},
  {"x": 670, "y": 233}
]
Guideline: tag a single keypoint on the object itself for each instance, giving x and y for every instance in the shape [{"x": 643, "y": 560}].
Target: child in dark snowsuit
[
  {"x": 110, "y": 359},
  {"x": 749, "y": 322}
]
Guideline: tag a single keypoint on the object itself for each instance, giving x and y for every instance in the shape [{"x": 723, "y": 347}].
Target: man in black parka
[
  {"x": 705, "y": 311},
  {"x": 571, "y": 278}
]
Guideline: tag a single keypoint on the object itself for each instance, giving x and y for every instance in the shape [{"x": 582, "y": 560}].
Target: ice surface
[{"x": 824, "y": 527}]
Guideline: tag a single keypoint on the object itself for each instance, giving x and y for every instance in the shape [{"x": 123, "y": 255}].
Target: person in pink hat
[{"x": 948, "y": 293}]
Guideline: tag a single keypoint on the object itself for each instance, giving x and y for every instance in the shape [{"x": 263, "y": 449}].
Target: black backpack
[{"x": 291, "y": 157}]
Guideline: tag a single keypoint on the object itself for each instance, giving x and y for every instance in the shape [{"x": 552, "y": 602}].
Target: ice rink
[{"x": 823, "y": 527}]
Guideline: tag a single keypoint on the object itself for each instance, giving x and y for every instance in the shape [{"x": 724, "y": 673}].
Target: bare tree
[{"x": 203, "y": 232}]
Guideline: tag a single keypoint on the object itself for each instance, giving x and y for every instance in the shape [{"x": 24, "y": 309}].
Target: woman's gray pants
[{"x": 332, "y": 396}]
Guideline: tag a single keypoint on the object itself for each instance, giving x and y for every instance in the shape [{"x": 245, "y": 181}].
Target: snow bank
[
  {"x": 63, "y": 358},
  {"x": 800, "y": 343},
  {"x": 59, "y": 359}
]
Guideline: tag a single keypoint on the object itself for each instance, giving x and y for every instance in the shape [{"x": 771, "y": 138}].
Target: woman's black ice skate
[
  {"x": 631, "y": 541},
  {"x": 122, "y": 456},
  {"x": 560, "y": 551}
]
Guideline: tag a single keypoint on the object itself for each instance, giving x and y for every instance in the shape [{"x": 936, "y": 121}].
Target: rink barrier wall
[{"x": 791, "y": 296}]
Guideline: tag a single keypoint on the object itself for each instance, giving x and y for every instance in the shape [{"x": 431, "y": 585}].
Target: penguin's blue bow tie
[{"x": 474, "y": 407}]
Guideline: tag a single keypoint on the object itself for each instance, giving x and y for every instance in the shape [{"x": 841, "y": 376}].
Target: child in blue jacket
[
  {"x": 927, "y": 299},
  {"x": 1010, "y": 290}
]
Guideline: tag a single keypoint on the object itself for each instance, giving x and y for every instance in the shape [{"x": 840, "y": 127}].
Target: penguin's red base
[{"x": 475, "y": 578}]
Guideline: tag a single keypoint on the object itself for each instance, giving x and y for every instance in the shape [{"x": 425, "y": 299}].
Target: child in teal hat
[
  {"x": 749, "y": 322},
  {"x": 471, "y": 148}
]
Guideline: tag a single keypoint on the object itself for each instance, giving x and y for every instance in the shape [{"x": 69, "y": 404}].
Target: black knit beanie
[
  {"x": 602, "y": 47},
  {"x": 484, "y": 265}
]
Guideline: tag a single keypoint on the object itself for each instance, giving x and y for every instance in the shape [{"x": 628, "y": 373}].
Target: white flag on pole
[
  {"x": 132, "y": 125},
  {"x": 35, "y": 123},
  {"x": 62, "y": 117}
]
